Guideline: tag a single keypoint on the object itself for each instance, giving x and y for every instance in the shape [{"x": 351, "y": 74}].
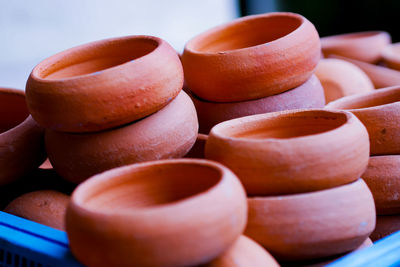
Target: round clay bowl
[
  {"x": 21, "y": 139},
  {"x": 382, "y": 178},
  {"x": 242, "y": 60},
  {"x": 45, "y": 206},
  {"x": 291, "y": 151},
  {"x": 244, "y": 253},
  {"x": 165, "y": 213},
  {"x": 168, "y": 133},
  {"x": 363, "y": 46},
  {"x": 197, "y": 150},
  {"x": 379, "y": 111},
  {"x": 104, "y": 84},
  {"x": 391, "y": 56},
  {"x": 340, "y": 78},
  {"x": 308, "y": 95},
  {"x": 312, "y": 225},
  {"x": 385, "y": 225}
]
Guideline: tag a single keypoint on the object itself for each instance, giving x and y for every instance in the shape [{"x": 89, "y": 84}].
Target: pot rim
[{"x": 346, "y": 37}]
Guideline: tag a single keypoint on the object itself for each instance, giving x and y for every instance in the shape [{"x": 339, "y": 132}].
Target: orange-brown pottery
[
  {"x": 391, "y": 56},
  {"x": 313, "y": 225},
  {"x": 168, "y": 133},
  {"x": 379, "y": 111},
  {"x": 197, "y": 150},
  {"x": 291, "y": 151},
  {"x": 164, "y": 213},
  {"x": 385, "y": 225},
  {"x": 251, "y": 57},
  {"x": 104, "y": 84}
]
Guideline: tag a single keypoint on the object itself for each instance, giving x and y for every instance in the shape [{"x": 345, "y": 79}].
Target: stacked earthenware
[{"x": 110, "y": 103}]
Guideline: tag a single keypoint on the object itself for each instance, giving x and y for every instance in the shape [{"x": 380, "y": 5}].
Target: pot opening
[{"x": 13, "y": 110}]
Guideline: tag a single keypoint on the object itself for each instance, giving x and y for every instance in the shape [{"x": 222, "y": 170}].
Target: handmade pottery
[
  {"x": 168, "y": 133},
  {"x": 312, "y": 225},
  {"x": 385, "y": 225},
  {"x": 341, "y": 78},
  {"x": 164, "y": 213},
  {"x": 379, "y": 111},
  {"x": 104, "y": 84},
  {"x": 45, "y": 206},
  {"x": 243, "y": 59},
  {"x": 291, "y": 151},
  {"x": 363, "y": 46},
  {"x": 391, "y": 56},
  {"x": 308, "y": 95},
  {"x": 197, "y": 150},
  {"x": 382, "y": 178}
]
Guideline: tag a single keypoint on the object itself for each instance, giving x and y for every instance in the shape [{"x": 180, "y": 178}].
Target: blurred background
[{"x": 33, "y": 30}]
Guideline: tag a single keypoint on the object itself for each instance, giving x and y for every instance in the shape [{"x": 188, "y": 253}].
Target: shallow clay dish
[
  {"x": 197, "y": 150},
  {"x": 308, "y": 95},
  {"x": 168, "y": 133},
  {"x": 104, "y": 84},
  {"x": 391, "y": 56},
  {"x": 385, "y": 225},
  {"x": 379, "y": 111},
  {"x": 312, "y": 225},
  {"x": 291, "y": 151},
  {"x": 363, "y": 46},
  {"x": 242, "y": 60},
  {"x": 165, "y": 213}
]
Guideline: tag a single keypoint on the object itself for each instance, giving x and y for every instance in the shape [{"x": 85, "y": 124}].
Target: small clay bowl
[
  {"x": 21, "y": 138},
  {"x": 379, "y": 111},
  {"x": 308, "y": 95},
  {"x": 291, "y": 151},
  {"x": 382, "y": 178},
  {"x": 391, "y": 56},
  {"x": 164, "y": 213},
  {"x": 385, "y": 225},
  {"x": 197, "y": 150},
  {"x": 168, "y": 133},
  {"x": 363, "y": 46},
  {"x": 340, "y": 78},
  {"x": 242, "y": 60},
  {"x": 312, "y": 225},
  {"x": 104, "y": 84},
  {"x": 47, "y": 207},
  {"x": 244, "y": 253}
]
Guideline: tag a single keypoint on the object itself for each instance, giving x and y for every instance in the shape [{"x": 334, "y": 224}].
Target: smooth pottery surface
[
  {"x": 385, "y": 225},
  {"x": 291, "y": 151},
  {"x": 164, "y": 213},
  {"x": 45, "y": 206},
  {"x": 312, "y": 225},
  {"x": 340, "y": 78},
  {"x": 244, "y": 253},
  {"x": 104, "y": 84},
  {"x": 308, "y": 95},
  {"x": 363, "y": 46},
  {"x": 21, "y": 139},
  {"x": 197, "y": 150},
  {"x": 168, "y": 133},
  {"x": 242, "y": 60},
  {"x": 391, "y": 56},
  {"x": 379, "y": 111},
  {"x": 382, "y": 178}
]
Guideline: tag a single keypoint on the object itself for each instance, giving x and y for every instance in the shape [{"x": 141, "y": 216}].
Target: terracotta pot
[
  {"x": 164, "y": 213},
  {"x": 21, "y": 139},
  {"x": 382, "y": 178},
  {"x": 291, "y": 151},
  {"x": 197, "y": 150},
  {"x": 340, "y": 78},
  {"x": 244, "y": 253},
  {"x": 385, "y": 225},
  {"x": 242, "y": 60},
  {"x": 45, "y": 206},
  {"x": 308, "y": 95},
  {"x": 379, "y": 111},
  {"x": 364, "y": 46},
  {"x": 104, "y": 84},
  {"x": 169, "y": 133},
  {"x": 391, "y": 56},
  {"x": 312, "y": 225}
]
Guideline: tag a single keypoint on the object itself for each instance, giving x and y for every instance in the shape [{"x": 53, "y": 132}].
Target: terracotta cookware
[
  {"x": 391, "y": 56},
  {"x": 197, "y": 150},
  {"x": 385, "y": 225}
]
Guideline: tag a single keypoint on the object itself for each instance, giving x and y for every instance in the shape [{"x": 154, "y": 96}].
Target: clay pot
[
  {"x": 391, "y": 56},
  {"x": 308, "y": 95},
  {"x": 163, "y": 213},
  {"x": 169, "y": 133},
  {"x": 363, "y": 46},
  {"x": 340, "y": 78},
  {"x": 382, "y": 178},
  {"x": 312, "y": 225},
  {"x": 242, "y": 60},
  {"x": 45, "y": 206},
  {"x": 104, "y": 84},
  {"x": 197, "y": 150},
  {"x": 291, "y": 151},
  {"x": 21, "y": 139},
  {"x": 385, "y": 225},
  {"x": 244, "y": 253},
  {"x": 379, "y": 111}
]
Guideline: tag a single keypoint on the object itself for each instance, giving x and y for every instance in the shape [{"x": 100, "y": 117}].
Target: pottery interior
[{"x": 13, "y": 108}]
